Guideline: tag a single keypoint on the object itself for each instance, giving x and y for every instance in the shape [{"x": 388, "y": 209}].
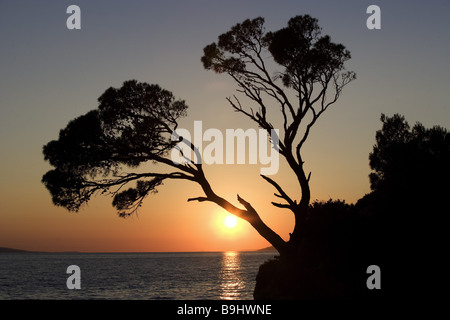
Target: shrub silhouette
[{"x": 396, "y": 226}]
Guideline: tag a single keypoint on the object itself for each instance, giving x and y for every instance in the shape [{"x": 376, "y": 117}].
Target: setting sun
[
  {"x": 230, "y": 222},
  {"x": 232, "y": 232}
]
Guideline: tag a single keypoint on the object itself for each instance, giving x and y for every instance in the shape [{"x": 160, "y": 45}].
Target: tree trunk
[
  {"x": 292, "y": 275},
  {"x": 250, "y": 214}
]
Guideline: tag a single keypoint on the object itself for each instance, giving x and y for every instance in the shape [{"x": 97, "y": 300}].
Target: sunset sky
[{"x": 49, "y": 75}]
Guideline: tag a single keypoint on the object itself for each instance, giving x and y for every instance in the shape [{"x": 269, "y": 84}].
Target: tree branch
[
  {"x": 199, "y": 199},
  {"x": 291, "y": 204},
  {"x": 249, "y": 214},
  {"x": 280, "y": 205}
]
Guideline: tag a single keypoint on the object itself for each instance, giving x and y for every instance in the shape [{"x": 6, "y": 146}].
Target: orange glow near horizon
[
  {"x": 228, "y": 227},
  {"x": 50, "y": 75}
]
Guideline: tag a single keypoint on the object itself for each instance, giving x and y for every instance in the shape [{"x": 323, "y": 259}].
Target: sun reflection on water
[{"x": 231, "y": 281}]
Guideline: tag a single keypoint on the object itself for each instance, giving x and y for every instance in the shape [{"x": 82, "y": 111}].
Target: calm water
[{"x": 180, "y": 276}]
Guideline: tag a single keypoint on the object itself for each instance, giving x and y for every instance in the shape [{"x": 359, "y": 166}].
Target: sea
[{"x": 130, "y": 276}]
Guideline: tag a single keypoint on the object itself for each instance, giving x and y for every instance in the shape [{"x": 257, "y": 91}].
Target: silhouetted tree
[
  {"x": 311, "y": 80},
  {"x": 410, "y": 161},
  {"x": 406, "y": 207},
  {"x": 292, "y": 75},
  {"x": 410, "y": 167}
]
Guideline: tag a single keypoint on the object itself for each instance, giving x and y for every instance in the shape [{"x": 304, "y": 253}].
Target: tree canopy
[
  {"x": 132, "y": 125},
  {"x": 409, "y": 160}
]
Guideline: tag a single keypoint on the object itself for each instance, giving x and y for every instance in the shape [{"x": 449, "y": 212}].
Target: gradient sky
[{"x": 50, "y": 75}]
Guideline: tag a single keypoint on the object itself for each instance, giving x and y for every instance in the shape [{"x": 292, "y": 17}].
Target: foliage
[
  {"x": 409, "y": 160},
  {"x": 131, "y": 125},
  {"x": 398, "y": 226},
  {"x": 405, "y": 212}
]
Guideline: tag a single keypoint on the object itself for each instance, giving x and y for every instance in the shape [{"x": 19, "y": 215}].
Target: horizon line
[{"x": 14, "y": 250}]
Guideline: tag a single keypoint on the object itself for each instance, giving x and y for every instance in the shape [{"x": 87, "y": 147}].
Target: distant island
[
  {"x": 271, "y": 248},
  {"x": 11, "y": 250}
]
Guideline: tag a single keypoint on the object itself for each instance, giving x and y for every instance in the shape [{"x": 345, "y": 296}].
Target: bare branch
[
  {"x": 247, "y": 205},
  {"x": 282, "y": 194},
  {"x": 199, "y": 199},
  {"x": 280, "y": 205}
]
